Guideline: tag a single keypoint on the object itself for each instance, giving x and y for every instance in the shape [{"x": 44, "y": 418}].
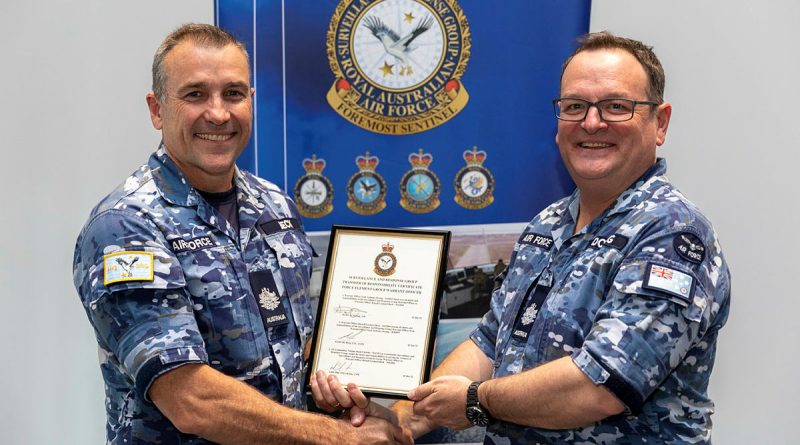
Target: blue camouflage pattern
[
  {"x": 653, "y": 349},
  {"x": 199, "y": 307}
]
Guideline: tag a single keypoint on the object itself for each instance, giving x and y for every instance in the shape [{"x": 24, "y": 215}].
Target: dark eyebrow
[{"x": 203, "y": 85}]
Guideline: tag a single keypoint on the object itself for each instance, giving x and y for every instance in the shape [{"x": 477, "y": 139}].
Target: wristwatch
[{"x": 476, "y": 414}]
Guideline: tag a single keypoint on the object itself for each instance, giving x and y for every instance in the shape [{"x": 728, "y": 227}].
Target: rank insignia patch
[
  {"x": 397, "y": 64},
  {"x": 474, "y": 183},
  {"x": 669, "y": 280},
  {"x": 366, "y": 189},
  {"x": 420, "y": 186},
  {"x": 313, "y": 192},
  {"x": 127, "y": 266},
  {"x": 385, "y": 262}
]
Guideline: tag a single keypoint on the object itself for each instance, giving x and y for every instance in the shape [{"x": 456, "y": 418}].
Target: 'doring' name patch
[{"x": 127, "y": 266}]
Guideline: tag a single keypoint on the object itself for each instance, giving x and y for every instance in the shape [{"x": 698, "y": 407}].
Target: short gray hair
[
  {"x": 204, "y": 35},
  {"x": 643, "y": 53}
]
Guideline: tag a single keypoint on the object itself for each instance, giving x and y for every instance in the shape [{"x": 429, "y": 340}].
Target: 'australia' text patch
[
  {"x": 671, "y": 281},
  {"x": 127, "y": 266}
]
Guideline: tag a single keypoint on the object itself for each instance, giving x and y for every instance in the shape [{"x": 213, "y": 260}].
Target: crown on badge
[
  {"x": 474, "y": 157},
  {"x": 367, "y": 162},
  {"x": 313, "y": 165},
  {"x": 388, "y": 247},
  {"x": 420, "y": 159}
]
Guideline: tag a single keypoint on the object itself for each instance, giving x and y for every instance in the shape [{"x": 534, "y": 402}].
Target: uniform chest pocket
[
  {"x": 225, "y": 317},
  {"x": 294, "y": 255}
]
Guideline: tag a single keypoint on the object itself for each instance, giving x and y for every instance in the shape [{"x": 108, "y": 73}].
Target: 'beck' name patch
[
  {"x": 671, "y": 281},
  {"x": 279, "y": 225},
  {"x": 127, "y": 266},
  {"x": 181, "y": 245},
  {"x": 534, "y": 239}
]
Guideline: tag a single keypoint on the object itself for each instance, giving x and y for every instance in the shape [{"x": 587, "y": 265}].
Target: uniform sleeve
[
  {"x": 658, "y": 308},
  {"x": 146, "y": 323}
]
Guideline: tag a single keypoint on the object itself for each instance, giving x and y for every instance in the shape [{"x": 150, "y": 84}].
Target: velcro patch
[
  {"x": 127, "y": 266},
  {"x": 616, "y": 241},
  {"x": 534, "y": 239},
  {"x": 279, "y": 225},
  {"x": 181, "y": 245},
  {"x": 689, "y": 247},
  {"x": 671, "y": 281}
]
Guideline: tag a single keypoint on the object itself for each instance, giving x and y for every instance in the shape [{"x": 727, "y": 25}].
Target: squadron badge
[
  {"x": 313, "y": 192},
  {"x": 366, "y": 189},
  {"x": 419, "y": 187},
  {"x": 397, "y": 64},
  {"x": 474, "y": 183},
  {"x": 385, "y": 262}
]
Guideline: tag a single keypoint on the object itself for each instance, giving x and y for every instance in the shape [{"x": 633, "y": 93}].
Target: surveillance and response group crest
[{"x": 397, "y": 64}]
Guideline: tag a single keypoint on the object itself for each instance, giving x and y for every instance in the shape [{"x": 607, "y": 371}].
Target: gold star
[
  {"x": 386, "y": 68},
  {"x": 409, "y": 17}
]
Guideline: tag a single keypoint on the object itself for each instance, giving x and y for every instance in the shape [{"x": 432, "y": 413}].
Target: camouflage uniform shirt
[
  {"x": 636, "y": 299},
  {"x": 203, "y": 297}
]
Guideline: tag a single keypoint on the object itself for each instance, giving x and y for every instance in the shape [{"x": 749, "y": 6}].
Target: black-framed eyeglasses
[{"x": 611, "y": 110}]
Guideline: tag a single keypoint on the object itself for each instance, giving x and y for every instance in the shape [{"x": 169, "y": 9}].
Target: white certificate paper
[{"x": 379, "y": 307}]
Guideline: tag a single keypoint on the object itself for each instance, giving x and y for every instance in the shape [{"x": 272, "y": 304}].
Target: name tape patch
[
  {"x": 534, "y": 239},
  {"x": 127, "y": 266},
  {"x": 669, "y": 280},
  {"x": 280, "y": 225},
  {"x": 616, "y": 241},
  {"x": 181, "y": 245}
]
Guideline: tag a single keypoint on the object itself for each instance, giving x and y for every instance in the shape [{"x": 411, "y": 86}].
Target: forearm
[
  {"x": 201, "y": 401},
  {"x": 556, "y": 395}
]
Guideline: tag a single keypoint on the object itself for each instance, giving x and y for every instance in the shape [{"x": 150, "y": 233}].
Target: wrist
[{"x": 476, "y": 413}]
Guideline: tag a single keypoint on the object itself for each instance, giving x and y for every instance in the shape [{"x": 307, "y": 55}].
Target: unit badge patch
[
  {"x": 689, "y": 247},
  {"x": 420, "y": 186},
  {"x": 313, "y": 192},
  {"x": 366, "y": 189},
  {"x": 127, "y": 266},
  {"x": 397, "y": 64},
  {"x": 385, "y": 262},
  {"x": 669, "y": 280},
  {"x": 474, "y": 183}
]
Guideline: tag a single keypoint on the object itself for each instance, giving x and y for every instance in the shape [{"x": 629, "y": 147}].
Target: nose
[
  {"x": 217, "y": 112},
  {"x": 593, "y": 123}
]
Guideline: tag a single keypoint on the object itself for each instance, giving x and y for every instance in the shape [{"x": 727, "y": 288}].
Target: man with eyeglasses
[{"x": 604, "y": 328}]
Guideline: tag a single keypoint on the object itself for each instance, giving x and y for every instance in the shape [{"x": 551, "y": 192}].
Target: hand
[
  {"x": 330, "y": 395},
  {"x": 375, "y": 430},
  {"x": 443, "y": 401}
]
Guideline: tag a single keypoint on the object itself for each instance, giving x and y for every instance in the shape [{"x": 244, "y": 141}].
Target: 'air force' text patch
[{"x": 127, "y": 266}]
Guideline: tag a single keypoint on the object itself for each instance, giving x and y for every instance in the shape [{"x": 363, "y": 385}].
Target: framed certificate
[{"x": 379, "y": 308}]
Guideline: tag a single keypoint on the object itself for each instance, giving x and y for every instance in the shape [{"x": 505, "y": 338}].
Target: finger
[
  {"x": 359, "y": 399},
  {"x": 401, "y": 435},
  {"x": 339, "y": 392},
  {"x": 420, "y": 392},
  {"x": 325, "y": 399},
  {"x": 357, "y": 416}
]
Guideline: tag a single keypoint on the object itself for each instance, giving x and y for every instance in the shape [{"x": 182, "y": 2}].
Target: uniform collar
[
  {"x": 631, "y": 197},
  {"x": 170, "y": 181}
]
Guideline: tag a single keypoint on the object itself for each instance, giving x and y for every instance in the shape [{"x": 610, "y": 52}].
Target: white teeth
[
  {"x": 595, "y": 144},
  {"x": 214, "y": 137}
]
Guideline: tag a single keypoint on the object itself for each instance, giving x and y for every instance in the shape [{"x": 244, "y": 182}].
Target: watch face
[{"x": 476, "y": 416}]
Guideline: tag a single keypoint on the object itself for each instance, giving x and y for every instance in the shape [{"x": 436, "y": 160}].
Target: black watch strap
[{"x": 476, "y": 414}]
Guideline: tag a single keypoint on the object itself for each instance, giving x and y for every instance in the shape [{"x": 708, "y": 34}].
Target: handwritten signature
[
  {"x": 341, "y": 366},
  {"x": 352, "y": 334},
  {"x": 352, "y": 312}
]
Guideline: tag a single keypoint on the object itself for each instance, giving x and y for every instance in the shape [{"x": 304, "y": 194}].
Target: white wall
[
  {"x": 733, "y": 70},
  {"x": 73, "y": 123}
]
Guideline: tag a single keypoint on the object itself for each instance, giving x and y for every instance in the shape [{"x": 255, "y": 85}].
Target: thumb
[
  {"x": 420, "y": 392},
  {"x": 357, "y": 416}
]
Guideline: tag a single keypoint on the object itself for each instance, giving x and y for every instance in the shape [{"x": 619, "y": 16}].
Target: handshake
[{"x": 441, "y": 402}]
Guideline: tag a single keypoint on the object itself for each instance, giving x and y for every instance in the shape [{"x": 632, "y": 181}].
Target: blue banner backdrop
[{"x": 350, "y": 92}]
